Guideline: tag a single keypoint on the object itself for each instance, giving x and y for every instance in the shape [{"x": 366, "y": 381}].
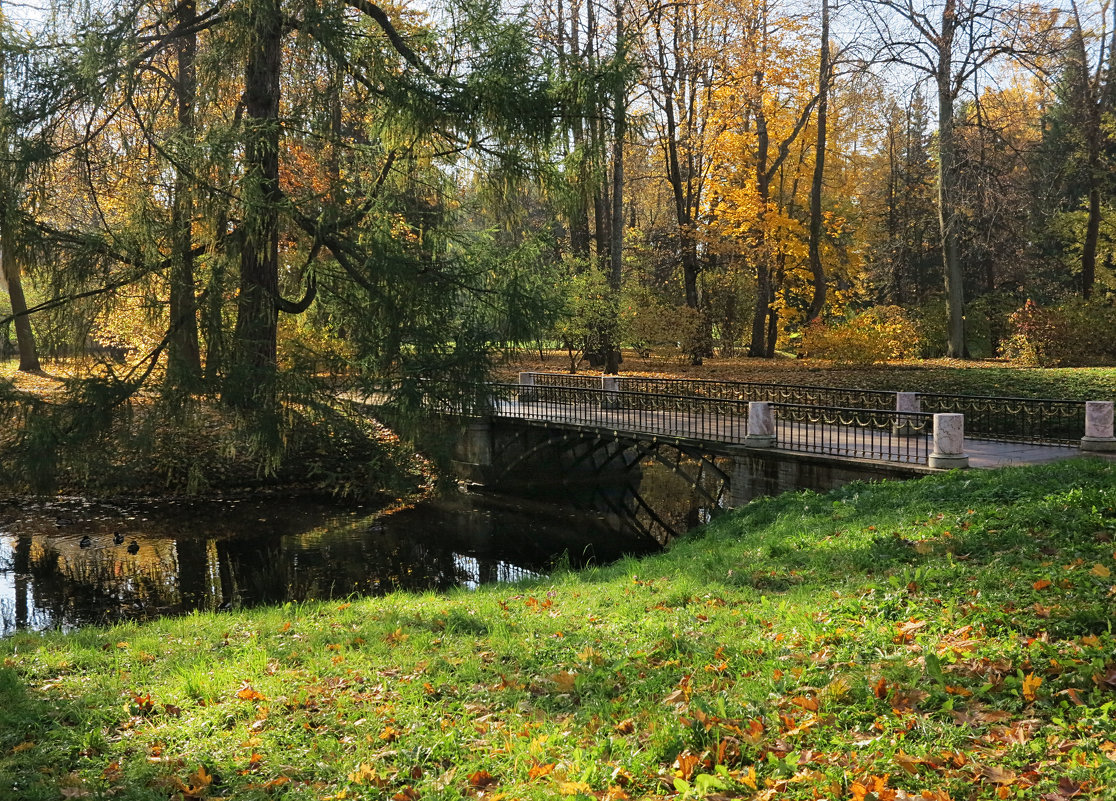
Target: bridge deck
[{"x": 726, "y": 433}]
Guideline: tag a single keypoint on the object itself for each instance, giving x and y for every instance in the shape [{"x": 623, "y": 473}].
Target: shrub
[
  {"x": 1074, "y": 334},
  {"x": 879, "y": 334}
]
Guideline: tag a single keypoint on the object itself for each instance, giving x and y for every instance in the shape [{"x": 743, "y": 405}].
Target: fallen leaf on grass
[
  {"x": 366, "y": 774},
  {"x": 247, "y": 693},
  {"x": 538, "y": 771},
  {"x": 1031, "y": 684},
  {"x": 1100, "y": 571},
  {"x": 1041, "y": 584},
  {"x": 565, "y": 680},
  {"x": 908, "y": 628},
  {"x": 574, "y": 788},
  {"x": 481, "y": 779},
  {"x": 809, "y": 704},
  {"x": 997, "y": 775},
  {"x": 685, "y": 764}
]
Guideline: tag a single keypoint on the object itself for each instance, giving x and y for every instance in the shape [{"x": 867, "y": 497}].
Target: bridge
[{"x": 732, "y": 441}]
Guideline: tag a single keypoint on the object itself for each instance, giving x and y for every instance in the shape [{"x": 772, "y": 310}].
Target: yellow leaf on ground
[
  {"x": 565, "y": 680},
  {"x": 1100, "y": 571},
  {"x": 1030, "y": 686},
  {"x": 574, "y": 788}
]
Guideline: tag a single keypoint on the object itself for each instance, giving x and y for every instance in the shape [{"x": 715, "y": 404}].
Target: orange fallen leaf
[
  {"x": 1031, "y": 684},
  {"x": 481, "y": 779},
  {"x": 686, "y": 764},
  {"x": 247, "y": 693},
  {"x": 1041, "y": 584},
  {"x": 538, "y": 771},
  {"x": 809, "y": 704}
]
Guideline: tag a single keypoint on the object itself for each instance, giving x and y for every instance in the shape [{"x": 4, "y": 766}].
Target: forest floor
[
  {"x": 968, "y": 377},
  {"x": 971, "y": 377},
  {"x": 944, "y": 638}
]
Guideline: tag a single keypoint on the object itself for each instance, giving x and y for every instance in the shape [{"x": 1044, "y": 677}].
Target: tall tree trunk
[
  {"x": 947, "y": 180},
  {"x": 9, "y": 252},
  {"x": 183, "y": 353},
  {"x": 817, "y": 303},
  {"x": 616, "y": 231},
  {"x": 764, "y": 291},
  {"x": 579, "y": 211},
  {"x": 254, "y": 369},
  {"x": 1092, "y": 235}
]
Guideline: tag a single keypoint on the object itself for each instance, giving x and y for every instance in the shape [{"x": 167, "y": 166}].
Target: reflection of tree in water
[
  {"x": 251, "y": 558},
  {"x": 265, "y": 571}
]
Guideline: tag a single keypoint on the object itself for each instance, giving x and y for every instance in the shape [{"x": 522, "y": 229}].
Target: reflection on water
[{"x": 70, "y": 562}]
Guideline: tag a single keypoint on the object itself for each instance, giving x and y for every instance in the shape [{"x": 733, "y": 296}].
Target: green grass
[{"x": 943, "y": 638}]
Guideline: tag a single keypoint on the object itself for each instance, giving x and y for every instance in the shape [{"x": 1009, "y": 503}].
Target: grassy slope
[{"x": 945, "y": 638}]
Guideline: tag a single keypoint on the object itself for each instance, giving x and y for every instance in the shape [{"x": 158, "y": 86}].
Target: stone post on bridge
[
  {"x": 610, "y": 389},
  {"x": 761, "y": 425},
  {"x": 949, "y": 442},
  {"x": 906, "y": 402},
  {"x": 1098, "y": 427},
  {"x": 527, "y": 391}
]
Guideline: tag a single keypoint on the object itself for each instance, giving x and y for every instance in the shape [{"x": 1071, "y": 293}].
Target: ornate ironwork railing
[
  {"x": 878, "y": 434},
  {"x": 1054, "y": 422},
  {"x": 697, "y": 419}
]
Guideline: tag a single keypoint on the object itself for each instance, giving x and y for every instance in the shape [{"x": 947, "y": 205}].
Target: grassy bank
[{"x": 945, "y": 638}]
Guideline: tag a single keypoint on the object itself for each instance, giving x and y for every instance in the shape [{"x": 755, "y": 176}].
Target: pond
[{"x": 70, "y": 562}]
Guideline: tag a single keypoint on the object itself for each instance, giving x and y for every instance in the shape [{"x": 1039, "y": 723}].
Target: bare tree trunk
[
  {"x": 616, "y": 232},
  {"x": 579, "y": 213},
  {"x": 1092, "y": 236},
  {"x": 764, "y": 293},
  {"x": 817, "y": 303},
  {"x": 947, "y": 191},
  {"x": 9, "y": 259}
]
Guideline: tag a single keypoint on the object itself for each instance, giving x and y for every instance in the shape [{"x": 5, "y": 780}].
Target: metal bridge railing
[
  {"x": 1033, "y": 420},
  {"x": 698, "y": 419},
  {"x": 1052, "y": 422},
  {"x": 878, "y": 434}
]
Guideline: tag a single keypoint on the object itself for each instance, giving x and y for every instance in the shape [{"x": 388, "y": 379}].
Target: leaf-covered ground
[
  {"x": 991, "y": 377},
  {"x": 943, "y": 638}
]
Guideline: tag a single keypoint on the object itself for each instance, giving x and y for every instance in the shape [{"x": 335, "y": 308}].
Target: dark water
[{"x": 71, "y": 562}]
